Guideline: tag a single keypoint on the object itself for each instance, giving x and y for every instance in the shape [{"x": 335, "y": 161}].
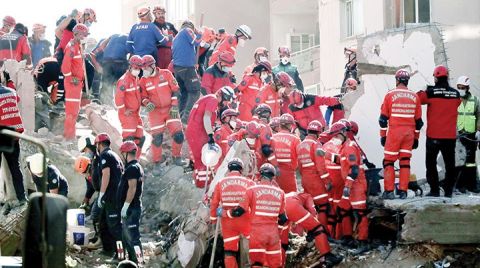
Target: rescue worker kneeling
[
  {"x": 266, "y": 203},
  {"x": 227, "y": 195},
  {"x": 56, "y": 182}
]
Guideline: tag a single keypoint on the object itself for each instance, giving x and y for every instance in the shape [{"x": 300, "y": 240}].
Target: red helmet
[
  {"x": 148, "y": 60},
  {"x": 228, "y": 112},
  {"x": 260, "y": 51},
  {"x": 253, "y": 129},
  {"x": 128, "y": 147},
  {"x": 263, "y": 108},
  {"x": 275, "y": 122},
  {"x": 80, "y": 28},
  {"x": 136, "y": 61},
  {"x": 296, "y": 97},
  {"x": 91, "y": 13},
  {"x": 267, "y": 170},
  {"x": 315, "y": 125},
  {"x": 287, "y": 119},
  {"x": 235, "y": 164},
  {"x": 350, "y": 82},
  {"x": 402, "y": 76},
  {"x": 143, "y": 11},
  {"x": 337, "y": 128},
  {"x": 440, "y": 71},
  {"x": 284, "y": 79},
  {"x": 102, "y": 137},
  {"x": 263, "y": 65},
  {"x": 227, "y": 58},
  {"x": 9, "y": 21},
  {"x": 354, "y": 127},
  {"x": 284, "y": 51}
]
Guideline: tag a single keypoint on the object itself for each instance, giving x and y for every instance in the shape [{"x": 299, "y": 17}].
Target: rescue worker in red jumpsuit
[
  {"x": 266, "y": 203},
  {"x": 227, "y": 195},
  {"x": 400, "y": 123},
  {"x": 262, "y": 116},
  {"x": 275, "y": 124},
  {"x": 300, "y": 210},
  {"x": 306, "y": 107},
  {"x": 261, "y": 54},
  {"x": 228, "y": 119},
  {"x": 252, "y": 135},
  {"x": 128, "y": 100},
  {"x": 73, "y": 69},
  {"x": 164, "y": 51},
  {"x": 284, "y": 145},
  {"x": 271, "y": 93},
  {"x": 219, "y": 74},
  {"x": 230, "y": 42},
  {"x": 199, "y": 130},
  {"x": 159, "y": 96},
  {"x": 338, "y": 111},
  {"x": 315, "y": 177},
  {"x": 249, "y": 88}
]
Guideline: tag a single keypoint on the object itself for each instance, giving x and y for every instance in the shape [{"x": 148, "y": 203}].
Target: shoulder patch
[
  {"x": 218, "y": 137},
  {"x": 352, "y": 158},
  {"x": 104, "y": 161},
  {"x": 122, "y": 88},
  {"x": 54, "y": 181},
  {"x": 244, "y": 83},
  {"x": 257, "y": 100}
]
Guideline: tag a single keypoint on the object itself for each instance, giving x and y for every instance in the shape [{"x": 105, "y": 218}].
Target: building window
[
  {"x": 351, "y": 17},
  {"x": 299, "y": 42},
  {"x": 401, "y": 12}
]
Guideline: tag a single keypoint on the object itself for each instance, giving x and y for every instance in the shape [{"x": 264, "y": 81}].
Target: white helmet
[
  {"x": 245, "y": 30},
  {"x": 84, "y": 141},
  {"x": 35, "y": 162},
  {"x": 463, "y": 80}
]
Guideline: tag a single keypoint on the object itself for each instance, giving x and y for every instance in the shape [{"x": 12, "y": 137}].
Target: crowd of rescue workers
[{"x": 183, "y": 80}]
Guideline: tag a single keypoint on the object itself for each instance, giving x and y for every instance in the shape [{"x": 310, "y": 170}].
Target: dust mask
[
  {"x": 233, "y": 124},
  {"x": 263, "y": 58},
  {"x": 241, "y": 42},
  {"x": 226, "y": 69},
  {"x": 147, "y": 72},
  {"x": 88, "y": 23},
  {"x": 462, "y": 93},
  {"x": 41, "y": 36},
  {"x": 337, "y": 141},
  {"x": 135, "y": 72},
  {"x": 285, "y": 60},
  {"x": 250, "y": 141}
]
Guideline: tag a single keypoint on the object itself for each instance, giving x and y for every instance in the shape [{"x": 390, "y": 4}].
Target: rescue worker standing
[
  {"x": 400, "y": 123},
  {"x": 10, "y": 117},
  {"x": 160, "y": 97},
  {"x": 286, "y": 66},
  {"x": 219, "y": 74},
  {"x": 229, "y": 42},
  {"x": 15, "y": 45},
  {"x": 200, "y": 128},
  {"x": 130, "y": 190},
  {"x": 111, "y": 169},
  {"x": 39, "y": 45},
  {"x": 184, "y": 62},
  {"x": 128, "y": 100},
  {"x": 164, "y": 51},
  {"x": 442, "y": 111},
  {"x": 227, "y": 195},
  {"x": 74, "y": 73},
  {"x": 266, "y": 203},
  {"x": 56, "y": 182},
  {"x": 468, "y": 126}
]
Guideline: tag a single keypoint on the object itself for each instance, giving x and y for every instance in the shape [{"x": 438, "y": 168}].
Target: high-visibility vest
[{"x": 467, "y": 120}]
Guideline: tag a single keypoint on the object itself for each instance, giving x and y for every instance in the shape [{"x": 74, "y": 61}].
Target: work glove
[
  {"x": 75, "y": 81},
  {"x": 369, "y": 164},
  {"x": 149, "y": 107},
  {"x": 346, "y": 193},
  {"x": 174, "y": 112},
  {"x": 100, "y": 200},
  {"x": 219, "y": 212},
  {"x": 123, "y": 212},
  {"x": 211, "y": 141},
  {"x": 233, "y": 79},
  {"x": 415, "y": 144},
  {"x": 383, "y": 140}
]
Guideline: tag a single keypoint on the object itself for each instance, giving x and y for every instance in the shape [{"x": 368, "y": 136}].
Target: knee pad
[
  {"x": 387, "y": 163},
  {"x": 178, "y": 137},
  {"x": 404, "y": 162},
  {"x": 231, "y": 253},
  {"x": 319, "y": 229},
  {"x": 157, "y": 139},
  {"x": 322, "y": 208},
  {"x": 141, "y": 141},
  {"x": 360, "y": 213}
]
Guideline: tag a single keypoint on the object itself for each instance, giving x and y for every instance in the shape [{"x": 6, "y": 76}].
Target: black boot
[
  {"x": 433, "y": 194},
  {"x": 402, "y": 194},
  {"x": 362, "y": 247},
  {"x": 388, "y": 195},
  {"x": 332, "y": 260}
]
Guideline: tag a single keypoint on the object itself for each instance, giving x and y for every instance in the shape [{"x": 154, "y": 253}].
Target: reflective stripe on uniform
[
  {"x": 74, "y": 100},
  {"x": 284, "y": 160},
  {"x": 358, "y": 202},
  {"x": 334, "y": 167},
  {"x": 259, "y": 213},
  {"x": 390, "y": 153},
  {"x": 163, "y": 84},
  {"x": 303, "y": 219},
  {"x": 320, "y": 196},
  {"x": 405, "y": 151},
  {"x": 172, "y": 120},
  {"x": 308, "y": 164},
  {"x": 230, "y": 204},
  {"x": 257, "y": 250},
  {"x": 157, "y": 127},
  {"x": 231, "y": 238},
  {"x": 273, "y": 252},
  {"x": 403, "y": 115}
]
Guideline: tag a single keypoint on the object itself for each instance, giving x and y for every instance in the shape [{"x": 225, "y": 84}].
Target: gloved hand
[
  {"x": 211, "y": 141},
  {"x": 369, "y": 164},
  {"x": 123, "y": 213},
  {"x": 233, "y": 79},
  {"x": 174, "y": 112},
  {"x": 75, "y": 81},
  {"x": 346, "y": 192},
  {"x": 415, "y": 144},
  {"x": 219, "y": 212},
  {"x": 100, "y": 199},
  {"x": 383, "y": 140},
  {"x": 149, "y": 107}
]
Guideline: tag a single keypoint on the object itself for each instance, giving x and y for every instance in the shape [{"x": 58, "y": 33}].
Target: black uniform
[{"x": 55, "y": 180}]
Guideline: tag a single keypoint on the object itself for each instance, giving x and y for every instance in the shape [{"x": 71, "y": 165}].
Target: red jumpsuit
[
  {"x": 269, "y": 96},
  {"x": 221, "y": 138},
  {"x": 72, "y": 67},
  {"x": 314, "y": 175},
  {"x": 161, "y": 89},
  {"x": 284, "y": 145},
  {"x": 402, "y": 108},
  {"x": 213, "y": 79},
  {"x": 228, "y": 43},
  {"x": 227, "y": 194},
  {"x": 354, "y": 177},
  {"x": 197, "y": 136},
  {"x": 266, "y": 202},
  {"x": 301, "y": 211},
  {"x": 334, "y": 170},
  {"x": 128, "y": 98},
  {"x": 248, "y": 89},
  {"x": 311, "y": 110}
]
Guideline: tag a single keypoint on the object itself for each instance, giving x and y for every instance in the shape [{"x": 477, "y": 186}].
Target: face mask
[
  {"x": 233, "y": 124},
  {"x": 462, "y": 93},
  {"x": 41, "y": 36},
  {"x": 226, "y": 69},
  {"x": 88, "y": 23},
  {"x": 285, "y": 60},
  {"x": 203, "y": 43},
  {"x": 263, "y": 58},
  {"x": 89, "y": 154},
  {"x": 241, "y": 42},
  {"x": 135, "y": 72},
  {"x": 250, "y": 141},
  {"x": 147, "y": 72},
  {"x": 336, "y": 141}
]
